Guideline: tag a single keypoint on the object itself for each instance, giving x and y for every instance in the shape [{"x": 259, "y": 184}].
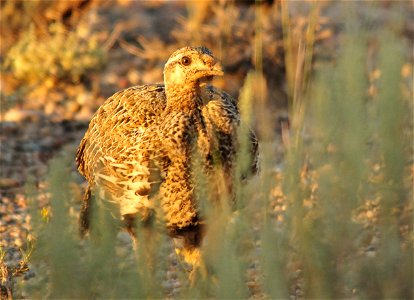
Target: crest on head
[{"x": 201, "y": 50}]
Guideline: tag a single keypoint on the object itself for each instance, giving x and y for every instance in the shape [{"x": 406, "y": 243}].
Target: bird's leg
[
  {"x": 192, "y": 256},
  {"x": 188, "y": 247},
  {"x": 85, "y": 214},
  {"x": 129, "y": 221},
  {"x": 144, "y": 240}
]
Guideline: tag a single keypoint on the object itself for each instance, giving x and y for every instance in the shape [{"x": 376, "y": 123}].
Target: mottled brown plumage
[{"x": 141, "y": 143}]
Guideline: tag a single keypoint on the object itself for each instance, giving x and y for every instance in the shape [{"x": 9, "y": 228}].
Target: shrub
[{"x": 61, "y": 56}]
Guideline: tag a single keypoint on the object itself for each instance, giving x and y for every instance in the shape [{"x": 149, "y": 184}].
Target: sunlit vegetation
[{"x": 329, "y": 216}]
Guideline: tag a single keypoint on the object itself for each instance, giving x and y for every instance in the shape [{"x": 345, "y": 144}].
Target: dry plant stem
[
  {"x": 289, "y": 50},
  {"x": 8, "y": 274},
  {"x": 113, "y": 36},
  {"x": 131, "y": 48}
]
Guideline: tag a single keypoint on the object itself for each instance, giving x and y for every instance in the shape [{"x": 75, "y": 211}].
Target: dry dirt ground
[
  {"x": 137, "y": 37},
  {"x": 35, "y": 129}
]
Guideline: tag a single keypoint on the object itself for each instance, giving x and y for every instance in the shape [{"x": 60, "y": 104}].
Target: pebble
[
  {"x": 6, "y": 183},
  {"x": 28, "y": 140}
]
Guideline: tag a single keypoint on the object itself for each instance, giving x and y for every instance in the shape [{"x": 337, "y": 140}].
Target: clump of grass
[
  {"x": 8, "y": 273},
  {"x": 347, "y": 230},
  {"x": 71, "y": 268},
  {"x": 329, "y": 177},
  {"x": 62, "y": 55},
  {"x": 19, "y": 16}
]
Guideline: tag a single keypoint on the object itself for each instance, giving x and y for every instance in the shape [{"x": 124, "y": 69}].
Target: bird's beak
[
  {"x": 211, "y": 67},
  {"x": 217, "y": 69},
  {"x": 206, "y": 76}
]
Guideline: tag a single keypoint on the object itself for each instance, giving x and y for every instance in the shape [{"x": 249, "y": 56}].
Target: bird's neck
[{"x": 183, "y": 98}]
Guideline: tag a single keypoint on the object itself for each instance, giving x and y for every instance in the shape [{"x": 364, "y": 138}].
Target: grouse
[{"x": 142, "y": 144}]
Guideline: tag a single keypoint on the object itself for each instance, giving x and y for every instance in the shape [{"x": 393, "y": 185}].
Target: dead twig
[
  {"x": 8, "y": 273},
  {"x": 131, "y": 48}
]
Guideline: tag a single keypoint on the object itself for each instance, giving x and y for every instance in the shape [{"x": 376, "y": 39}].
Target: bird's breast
[{"x": 184, "y": 135}]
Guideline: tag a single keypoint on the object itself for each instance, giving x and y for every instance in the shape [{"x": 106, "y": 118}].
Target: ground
[{"x": 136, "y": 38}]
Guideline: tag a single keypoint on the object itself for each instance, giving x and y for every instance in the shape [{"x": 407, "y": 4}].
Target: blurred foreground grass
[{"x": 335, "y": 221}]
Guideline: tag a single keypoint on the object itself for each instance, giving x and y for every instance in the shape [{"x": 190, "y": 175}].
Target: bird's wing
[
  {"x": 118, "y": 122},
  {"x": 223, "y": 113},
  {"x": 116, "y": 150}
]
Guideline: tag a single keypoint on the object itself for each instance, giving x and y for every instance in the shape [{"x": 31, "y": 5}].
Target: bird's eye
[{"x": 185, "y": 60}]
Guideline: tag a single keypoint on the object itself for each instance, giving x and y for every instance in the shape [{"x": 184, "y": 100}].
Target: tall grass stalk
[
  {"x": 344, "y": 179},
  {"x": 337, "y": 162},
  {"x": 393, "y": 159}
]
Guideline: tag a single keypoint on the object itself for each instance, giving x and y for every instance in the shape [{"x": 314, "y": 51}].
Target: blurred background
[{"x": 60, "y": 60}]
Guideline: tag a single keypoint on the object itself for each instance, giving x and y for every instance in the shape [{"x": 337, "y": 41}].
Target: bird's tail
[{"x": 84, "y": 220}]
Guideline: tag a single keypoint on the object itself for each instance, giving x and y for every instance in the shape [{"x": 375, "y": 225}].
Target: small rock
[
  {"x": 124, "y": 238},
  {"x": 7, "y": 183},
  {"x": 19, "y": 115},
  {"x": 133, "y": 76}
]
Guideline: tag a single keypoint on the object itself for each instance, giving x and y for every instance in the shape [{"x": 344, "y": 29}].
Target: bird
[{"x": 142, "y": 144}]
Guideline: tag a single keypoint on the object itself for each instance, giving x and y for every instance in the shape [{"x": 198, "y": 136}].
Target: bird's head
[{"x": 191, "y": 66}]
